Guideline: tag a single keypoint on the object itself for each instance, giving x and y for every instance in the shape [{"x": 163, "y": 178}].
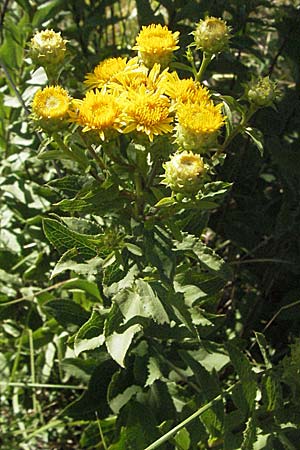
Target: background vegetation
[{"x": 60, "y": 390}]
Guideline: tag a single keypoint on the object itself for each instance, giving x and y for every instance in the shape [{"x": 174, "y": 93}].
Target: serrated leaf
[
  {"x": 245, "y": 373},
  {"x": 64, "y": 239},
  {"x": 262, "y": 343},
  {"x": 272, "y": 392},
  {"x": 90, "y": 335},
  {"x": 120, "y": 400},
  {"x": 88, "y": 268},
  {"x": 66, "y": 312},
  {"x": 154, "y": 372},
  {"x": 207, "y": 257},
  {"x": 94, "y": 398},
  {"x": 118, "y": 343},
  {"x": 141, "y": 300},
  {"x": 182, "y": 438},
  {"x": 249, "y": 435}
]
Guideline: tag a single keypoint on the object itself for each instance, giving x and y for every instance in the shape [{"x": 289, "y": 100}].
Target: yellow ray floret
[
  {"x": 156, "y": 39},
  {"x": 52, "y": 102},
  {"x": 155, "y": 44},
  {"x": 107, "y": 70},
  {"x": 99, "y": 111},
  {"x": 199, "y": 118},
  {"x": 142, "y": 76},
  {"x": 184, "y": 90},
  {"x": 147, "y": 112}
]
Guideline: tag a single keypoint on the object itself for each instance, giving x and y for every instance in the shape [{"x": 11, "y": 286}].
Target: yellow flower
[
  {"x": 99, "y": 111},
  {"x": 47, "y": 47},
  {"x": 107, "y": 70},
  {"x": 183, "y": 90},
  {"x": 128, "y": 80},
  {"x": 184, "y": 172},
  {"x": 50, "y": 107},
  {"x": 156, "y": 44},
  {"x": 198, "y": 125},
  {"x": 147, "y": 112}
]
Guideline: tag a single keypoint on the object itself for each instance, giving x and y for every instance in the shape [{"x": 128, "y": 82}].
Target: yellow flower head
[
  {"x": 47, "y": 48},
  {"x": 107, "y": 70},
  {"x": 50, "y": 107},
  {"x": 198, "y": 125},
  {"x": 142, "y": 76},
  {"x": 147, "y": 112},
  {"x": 99, "y": 111},
  {"x": 183, "y": 90},
  {"x": 184, "y": 172},
  {"x": 156, "y": 44}
]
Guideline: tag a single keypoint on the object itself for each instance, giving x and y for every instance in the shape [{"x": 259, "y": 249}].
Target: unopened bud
[
  {"x": 183, "y": 173},
  {"x": 211, "y": 35},
  {"x": 47, "y": 48},
  {"x": 261, "y": 92}
]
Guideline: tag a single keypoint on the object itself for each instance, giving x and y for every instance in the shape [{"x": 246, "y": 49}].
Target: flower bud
[
  {"x": 211, "y": 35},
  {"x": 47, "y": 48},
  {"x": 50, "y": 107},
  {"x": 183, "y": 173},
  {"x": 261, "y": 92}
]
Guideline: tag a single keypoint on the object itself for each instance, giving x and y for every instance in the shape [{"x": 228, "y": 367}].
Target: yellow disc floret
[
  {"x": 99, "y": 111},
  {"x": 50, "y": 107},
  {"x": 147, "y": 112},
  {"x": 156, "y": 44}
]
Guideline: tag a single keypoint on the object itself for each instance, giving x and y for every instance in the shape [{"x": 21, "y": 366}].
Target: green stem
[
  {"x": 185, "y": 422},
  {"x": 207, "y": 58},
  {"x": 237, "y": 130},
  {"x": 138, "y": 207},
  {"x": 32, "y": 369},
  {"x": 41, "y": 385},
  {"x": 71, "y": 155},
  {"x": 97, "y": 158}
]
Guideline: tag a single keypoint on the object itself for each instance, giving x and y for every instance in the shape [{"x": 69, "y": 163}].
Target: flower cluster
[{"x": 139, "y": 96}]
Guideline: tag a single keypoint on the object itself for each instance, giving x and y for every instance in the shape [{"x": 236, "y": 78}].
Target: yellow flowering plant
[{"x": 138, "y": 146}]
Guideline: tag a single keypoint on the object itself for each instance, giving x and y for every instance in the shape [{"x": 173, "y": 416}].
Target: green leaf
[
  {"x": 182, "y": 439},
  {"x": 245, "y": 373},
  {"x": 44, "y": 11},
  {"x": 271, "y": 392},
  {"x": 141, "y": 300},
  {"x": 262, "y": 343},
  {"x": 121, "y": 399},
  {"x": 94, "y": 398},
  {"x": 89, "y": 268},
  {"x": 207, "y": 257},
  {"x": 249, "y": 435},
  {"x": 118, "y": 343},
  {"x": 90, "y": 335},
  {"x": 154, "y": 372},
  {"x": 257, "y": 138},
  {"x": 64, "y": 239},
  {"x": 66, "y": 312}
]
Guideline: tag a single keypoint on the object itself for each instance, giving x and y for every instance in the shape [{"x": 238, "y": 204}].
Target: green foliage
[{"x": 133, "y": 317}]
